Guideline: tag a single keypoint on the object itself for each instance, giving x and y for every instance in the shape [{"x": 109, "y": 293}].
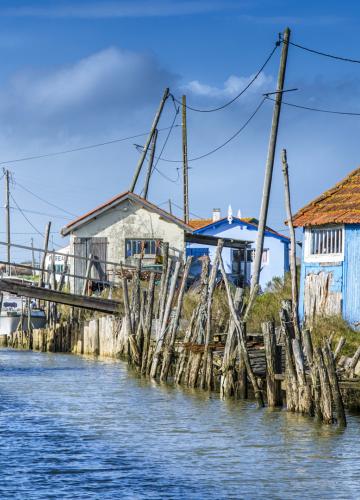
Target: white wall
[{"x": 129, "y": 220}]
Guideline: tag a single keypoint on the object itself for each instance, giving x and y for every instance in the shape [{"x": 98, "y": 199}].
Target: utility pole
[
  {"x": 270, "y": 162},
  {"x": 147, "y": 144},
  {"x": 185, "y": 161},
  {"x": 33, "y": 256},
  {"x": 170, "y": 207},
  {"x": 151, "y": 161},
  {"x": 293, "y": 270},
  {"x": 46, "y": 246},
  {"x": 7, "y": 208}
]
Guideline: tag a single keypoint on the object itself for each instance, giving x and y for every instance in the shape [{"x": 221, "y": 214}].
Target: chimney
[{"x": 216, "y": 214}]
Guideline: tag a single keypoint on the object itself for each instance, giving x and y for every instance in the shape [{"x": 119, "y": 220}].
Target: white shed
[{"x": 121, "y": 230}]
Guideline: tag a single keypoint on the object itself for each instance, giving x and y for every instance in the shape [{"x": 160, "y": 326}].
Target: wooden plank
[{"x": 91, "y": 303}]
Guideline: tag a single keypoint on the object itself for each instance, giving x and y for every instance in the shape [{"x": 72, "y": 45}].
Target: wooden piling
[{"x": 273, "y": 386}]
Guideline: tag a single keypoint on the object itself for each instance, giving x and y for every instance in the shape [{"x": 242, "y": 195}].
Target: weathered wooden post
[
  {"x": 227, "y": 380},
  {"x": 240, "y": 332},
  {"x": 148, "y": 324},
  {"x": 292, "y": 393},
  {"x": 340, "y": 345},
  {"x": 334, "y": 384},
  {"x": 168, "y": 355},
  {"x": 206, "y": 379},
  {"x": 326, "y": 401},
  {"x": 305, "y": 400},
  {"x": 133, "y": 349},
  {"x": 314, "y": 373},
  {"x": 165, "y": 319},
  {"x": 87, "y": 274},
  {"x": 272, "y": 365}
]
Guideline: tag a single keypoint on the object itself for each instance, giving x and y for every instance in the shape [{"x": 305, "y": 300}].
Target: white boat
[{"x": 15, "y": 309}]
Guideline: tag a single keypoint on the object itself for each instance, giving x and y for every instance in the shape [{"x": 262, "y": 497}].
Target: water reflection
[{"x": 78, "y": 427}]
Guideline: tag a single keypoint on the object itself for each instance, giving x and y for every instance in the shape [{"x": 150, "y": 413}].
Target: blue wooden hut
[
  {"x": 330, "y": 270},
  {"x": 275, "y": 258}
]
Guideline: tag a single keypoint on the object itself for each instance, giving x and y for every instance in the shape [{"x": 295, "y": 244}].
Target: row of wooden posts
[{"x": 310, "y": 380}]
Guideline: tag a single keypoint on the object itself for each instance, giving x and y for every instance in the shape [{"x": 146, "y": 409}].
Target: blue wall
[
  {"x": 345, "y": 276},
  {"x": 278, "y": 247},
  {"x": 351, "y": 291}
]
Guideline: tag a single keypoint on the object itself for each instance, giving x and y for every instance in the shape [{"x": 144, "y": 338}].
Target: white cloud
[
  {"x": 101, "y": 88},
  {"x": 231, "y": 87}
]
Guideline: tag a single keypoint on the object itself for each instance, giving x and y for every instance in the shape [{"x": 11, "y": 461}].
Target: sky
[{"x": 78, "y": 73}]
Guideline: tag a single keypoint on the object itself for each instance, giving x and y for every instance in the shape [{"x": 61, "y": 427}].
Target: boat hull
[{"x": 9, "y": 324}]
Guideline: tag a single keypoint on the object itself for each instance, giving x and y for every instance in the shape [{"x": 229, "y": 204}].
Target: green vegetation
[
  {"x": 267, "y": 307},
  {"x": 337, "y": 327}
]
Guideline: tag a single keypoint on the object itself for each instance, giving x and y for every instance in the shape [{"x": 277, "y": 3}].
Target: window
[
  {"x": 324, "y": 244},
  {"x": 142, "y": 247},
  {"x": 325, "y": 241},
  {"x": 265, "y": 257}
]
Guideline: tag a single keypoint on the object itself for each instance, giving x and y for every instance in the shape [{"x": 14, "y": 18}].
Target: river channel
[{"x": 79, "y": 428}]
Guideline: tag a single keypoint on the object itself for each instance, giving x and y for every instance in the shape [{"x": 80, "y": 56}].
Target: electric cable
[
  {"x": 224, "y": 143},
  {"x": 318, "y": 110},
  {"x": 82, "y": 148},
  {"x": 319, "y": 53},
  {"x": 43, "y": 199},
  {"x": 253, "y": 79}
]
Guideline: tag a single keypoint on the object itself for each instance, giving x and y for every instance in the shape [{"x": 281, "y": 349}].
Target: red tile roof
[{"x": 338, "y": 205}]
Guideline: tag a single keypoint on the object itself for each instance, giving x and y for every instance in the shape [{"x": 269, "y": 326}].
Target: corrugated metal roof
[{"x": 338, "y": 205}]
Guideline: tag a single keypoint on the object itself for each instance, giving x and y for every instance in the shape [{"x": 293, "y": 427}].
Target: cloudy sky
[{"x": 78, "y": 73}]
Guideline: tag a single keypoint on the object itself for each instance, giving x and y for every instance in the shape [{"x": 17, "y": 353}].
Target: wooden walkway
[{"x": 91, "y": 303}]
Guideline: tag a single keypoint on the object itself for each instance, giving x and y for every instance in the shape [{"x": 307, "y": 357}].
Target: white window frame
[
  {"x": 328, "y": 257},
  {"x": 266, "y": 253}
]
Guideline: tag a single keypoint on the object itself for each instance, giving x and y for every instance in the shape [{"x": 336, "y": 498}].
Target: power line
[
  {"x": 28, "y": 220},
  {"x": 35, "y": 212},
  {"x": 22, "y": 213},
  {"x": 318, "y": 110},
  {"x": 45, "y": 201},
  {"x": 224, "y": 143},
  {"x": 164, "y": 146},
  {"x": 240, "y": 93},
  {"x": 82, "y": 148},
  {"x": 325, "y": 54},
  {"x": 182, "y": 208}
]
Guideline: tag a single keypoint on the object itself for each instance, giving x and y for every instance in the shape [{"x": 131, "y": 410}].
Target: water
[{"x": 79, "y": 428}]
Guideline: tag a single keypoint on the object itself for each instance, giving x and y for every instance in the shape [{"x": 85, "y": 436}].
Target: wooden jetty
[{"x": 97, "y": 304}]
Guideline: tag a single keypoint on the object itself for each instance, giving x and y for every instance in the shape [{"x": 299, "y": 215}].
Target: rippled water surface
[{"x": 81, "y": 428}]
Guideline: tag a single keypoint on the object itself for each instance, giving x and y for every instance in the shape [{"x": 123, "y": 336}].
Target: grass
[
  {"x": 267, "y": 307},
  {"x": 338, "y": 327}
]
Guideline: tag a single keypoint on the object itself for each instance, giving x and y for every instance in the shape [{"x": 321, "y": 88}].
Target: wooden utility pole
[
  {"x": 33, "y": 256},
  {"x": 151, "y": 161},
  {"x": 270, "y": 162},
  {"x": 185, "y": 161},
  {"x": 8, "y": 233},
  {"x": 147, "y": 144},
  {"x": 46, "y": 246},
  {"x": 293, "y": 270},
  {"x": 170, "y": 207}
]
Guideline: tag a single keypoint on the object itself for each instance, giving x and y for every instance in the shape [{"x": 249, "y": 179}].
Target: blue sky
[{"x": 81, "y": 72}]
